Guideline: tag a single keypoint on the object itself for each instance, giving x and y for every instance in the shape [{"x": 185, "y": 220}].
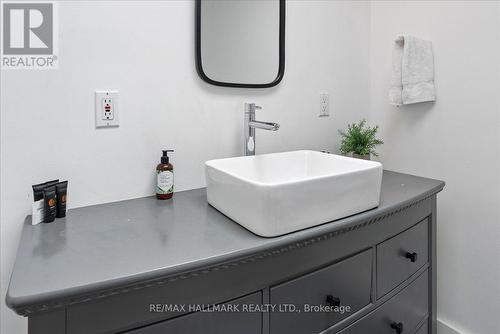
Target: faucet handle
[{"x": 251, "y": 107}]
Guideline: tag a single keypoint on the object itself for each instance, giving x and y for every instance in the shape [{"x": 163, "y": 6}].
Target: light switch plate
[{"x": 106, "y": 109}]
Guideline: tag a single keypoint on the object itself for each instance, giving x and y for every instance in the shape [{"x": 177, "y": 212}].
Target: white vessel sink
[{"x": 278, "y": 193}]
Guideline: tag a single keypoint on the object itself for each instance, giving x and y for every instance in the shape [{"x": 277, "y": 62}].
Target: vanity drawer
[
  {"x": 347, "y": 283},
  {"x": 213, "y": 322},
  {"x": 401, "y": 256},
  {"x": 406, "y": 310}
]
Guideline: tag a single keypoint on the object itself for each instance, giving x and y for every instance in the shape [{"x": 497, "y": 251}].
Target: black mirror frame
[{"x": 281, "y": 67}]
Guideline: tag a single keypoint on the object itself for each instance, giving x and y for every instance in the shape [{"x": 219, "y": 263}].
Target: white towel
[{"x": 412, "y": 71}]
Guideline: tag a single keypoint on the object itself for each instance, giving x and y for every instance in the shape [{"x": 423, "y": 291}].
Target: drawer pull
[
  {"x": 333, "y": 301},
  {"x": 412, "y": 256},
  {"x": 397, "y": 326}
]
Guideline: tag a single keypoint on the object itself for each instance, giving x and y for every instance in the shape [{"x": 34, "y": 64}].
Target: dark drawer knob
[
  {"x": 397, "y": 326},
  {"x": 333, "y": 301},
  {"x": 412, "y": 256}
]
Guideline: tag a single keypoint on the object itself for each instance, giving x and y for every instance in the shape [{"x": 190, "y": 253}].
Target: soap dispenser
[{"x": 165, "y": 177}]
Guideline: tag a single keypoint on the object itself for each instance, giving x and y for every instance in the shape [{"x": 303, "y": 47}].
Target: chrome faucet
[{"x": 251, "y": 124}]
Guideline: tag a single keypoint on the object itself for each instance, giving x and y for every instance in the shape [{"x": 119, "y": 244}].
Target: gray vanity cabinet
[
  {"x": 100, "y": 270},
  {"x": 401, "y": 314},
  {"x": 346, "y": 283},
  {"x": 424, "y": 329},
  {"x": 401, "y": 256},
  {"x": 233, "y": 321}
]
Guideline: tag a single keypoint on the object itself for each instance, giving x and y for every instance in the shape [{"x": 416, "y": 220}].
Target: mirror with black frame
[{"x": 240, "y": 43}]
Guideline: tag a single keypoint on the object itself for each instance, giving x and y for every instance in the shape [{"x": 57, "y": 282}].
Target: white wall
[
  {"x": 146, "y": 51},
  {"x": 455, "y": 139}
]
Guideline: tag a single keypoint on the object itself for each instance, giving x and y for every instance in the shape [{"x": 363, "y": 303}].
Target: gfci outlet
[
  {"x": 106, "y": 109},
  {"x": 324, "y": 105}
]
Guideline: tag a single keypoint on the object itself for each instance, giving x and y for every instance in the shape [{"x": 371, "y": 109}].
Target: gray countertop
[{"x": 111, "y": 245}]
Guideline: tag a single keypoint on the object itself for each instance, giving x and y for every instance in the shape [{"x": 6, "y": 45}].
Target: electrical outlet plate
[
  {"x": 106, "y": 109},
  {"x": 324, "y": 105}
]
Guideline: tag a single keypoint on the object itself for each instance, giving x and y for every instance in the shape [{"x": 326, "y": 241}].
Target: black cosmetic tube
[
  {"x": 50, "y": 204},
  {"x": 38, "y": 189},
  {"x": 61, "y": 191}
]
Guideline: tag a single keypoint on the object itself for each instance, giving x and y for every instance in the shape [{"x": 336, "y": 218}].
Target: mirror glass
[{"x": 240, "y": 43}]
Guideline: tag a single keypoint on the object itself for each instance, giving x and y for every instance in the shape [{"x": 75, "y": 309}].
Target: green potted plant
[{"x": 359, "y": 140}]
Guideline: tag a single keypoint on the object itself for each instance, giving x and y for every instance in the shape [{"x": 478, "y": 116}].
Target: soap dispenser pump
[{"x": 165, "y": 177}]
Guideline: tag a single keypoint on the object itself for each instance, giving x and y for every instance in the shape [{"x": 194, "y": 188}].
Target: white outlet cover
[
  {"x": 324, "y": 104},
  {"x": 106, "y": 109}
]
